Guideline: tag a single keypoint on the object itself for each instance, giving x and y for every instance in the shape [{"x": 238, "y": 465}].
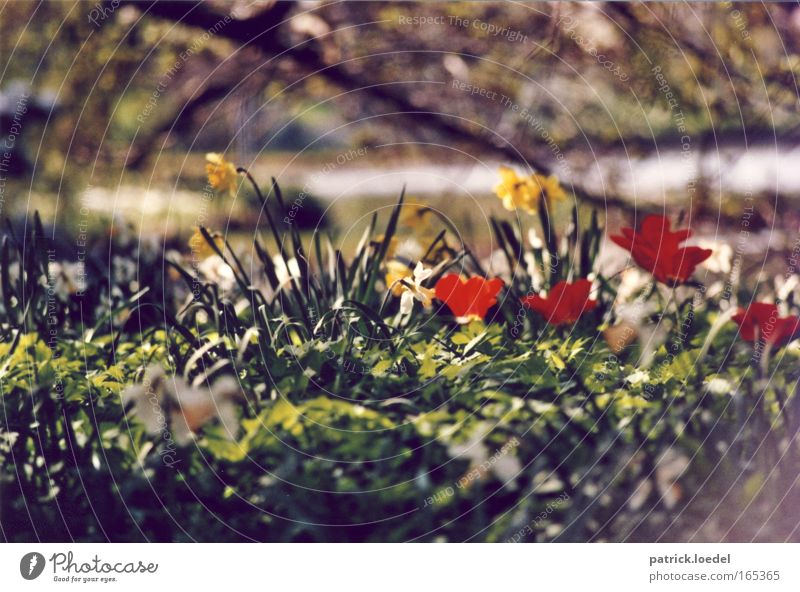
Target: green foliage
[{"x": 358, "y": 423}]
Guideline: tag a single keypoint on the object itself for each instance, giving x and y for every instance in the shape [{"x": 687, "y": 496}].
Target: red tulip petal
[
  {"x": 747, "y": 329},
  {"x": 471, "y": 298},
  {"x": 623, "y": 241},
  {"x": 686, "y": 260},
  {"x": 655, "y": 226},
  {"x": 564, "y": 303},
  {"x": 762, "y": 312},
  {"x": 449, "y": 290}
]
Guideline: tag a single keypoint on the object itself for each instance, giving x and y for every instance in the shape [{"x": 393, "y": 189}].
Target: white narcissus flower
[{"x": 413, "y": 289}]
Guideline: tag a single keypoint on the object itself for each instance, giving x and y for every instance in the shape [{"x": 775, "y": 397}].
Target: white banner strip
[{"x": 390, "y": 568}]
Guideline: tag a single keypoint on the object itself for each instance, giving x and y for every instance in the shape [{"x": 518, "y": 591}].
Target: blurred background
[{"x": 109, "y": 108}]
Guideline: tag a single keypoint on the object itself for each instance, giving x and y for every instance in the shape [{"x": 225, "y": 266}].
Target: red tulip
[
  {"x": 657, "y": 249},
  {"x": 771, "y": 328},
  {"x": 468, "y": 299},
  {"x": 565, "y": 303}
]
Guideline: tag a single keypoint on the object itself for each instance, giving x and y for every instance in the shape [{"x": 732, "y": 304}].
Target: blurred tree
[{"x": 523, "y": 82}]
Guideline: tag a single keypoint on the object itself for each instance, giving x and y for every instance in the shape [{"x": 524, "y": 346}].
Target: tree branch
[{"x": 262, "y": 31}]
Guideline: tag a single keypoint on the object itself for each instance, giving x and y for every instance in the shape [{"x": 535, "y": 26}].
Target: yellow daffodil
[
  {"x": 442, "y": 252},
  {"x": 550, "y": 187},
  {"x": 396, "y": 271},
  {"x": 517, "y": 192},
  {"x": 414, "y": 214},
  {"x": 200, "y": 247},
  {"x": 222, "y": 174},
  {"x": 391, "y": 248},
  {"x": 422, "y": 221}
]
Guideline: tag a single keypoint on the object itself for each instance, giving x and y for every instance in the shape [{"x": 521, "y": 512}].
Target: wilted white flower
[
  {"x": 410, "y": 249},
  {"x": 215, "y": 270},
  {"x": 719, "y": 386},
  {"x": 534, "y": 269},
  {"x": 632, "y": 280},
  {"x": 785, "y": 286},
  {"x": 67, "y": 277},
  {"x": 637, "y": 377},
  {"x": 650, "y": 336},
  {"x": 534, "y": 240},
  {"x": 721, "y": 257},
  {"x": 413, "y": 289},
  {"x": 13, "y": 272},
  {"x": 283, "y": 272},
  {"x": 503, "y": 463},
  {"x": 7, "y": 441},
  {"x": 497, "y": 264},
  {"x": 670, "y": 466},
  {"x": 172, "y": 407},
  {"x": 149, "y": 247},
  {"x": 124, "y": 270}
]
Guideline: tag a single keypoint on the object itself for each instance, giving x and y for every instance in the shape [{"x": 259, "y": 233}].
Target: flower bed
[{"x": 411, "y": 390}]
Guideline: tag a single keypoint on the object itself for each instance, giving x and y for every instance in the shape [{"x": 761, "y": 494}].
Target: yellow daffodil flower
[
  {"x": 518, "y": 192},
  {"x": 396, "y": 271},
  {"x": 200, "y": 247},
  {"x": 222, "y": 174},
  {"x": 515, "y": 191},
  {"x": 550, "y": 187},
  {"x": 414, "y": 214},
  {"x": 391, "y": 248}
]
